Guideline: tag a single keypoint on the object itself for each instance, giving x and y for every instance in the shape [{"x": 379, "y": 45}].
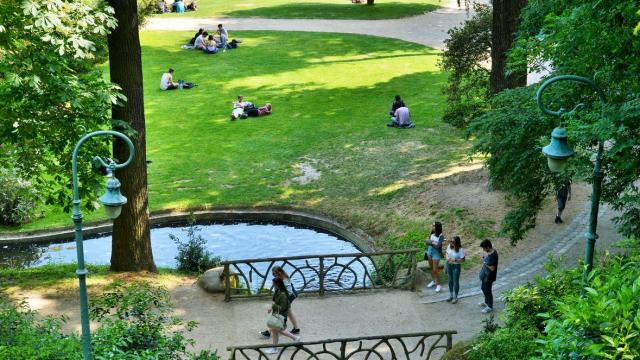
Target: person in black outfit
[
  {"x": 488, "y": 274},
  {"x": 562, "y": 195},
  {"x": 397, "y": 103}
]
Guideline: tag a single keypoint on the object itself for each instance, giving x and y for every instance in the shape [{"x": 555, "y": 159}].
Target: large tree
[
  {"x": 506, "y": 16},
  {"x": 131, "y": 244}
]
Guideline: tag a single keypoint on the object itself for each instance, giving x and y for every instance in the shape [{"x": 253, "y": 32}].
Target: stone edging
[{"x": 292, "y": 217}]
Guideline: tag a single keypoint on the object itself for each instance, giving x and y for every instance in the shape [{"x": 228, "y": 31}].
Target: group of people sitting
[
  {"x": 211, "y": 44},
  {"x": 178, "y": 6},
  {"x": 243, "y": 109},
  {"x": 400, "y": 115}
]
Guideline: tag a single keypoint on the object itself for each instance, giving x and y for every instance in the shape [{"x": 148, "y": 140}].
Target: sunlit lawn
[
  {"x": 331, "y": 94},
  {"x": 310, "y": 9}
]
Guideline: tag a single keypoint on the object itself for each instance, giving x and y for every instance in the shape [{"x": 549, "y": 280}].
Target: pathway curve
[{"x": 428, "y": 29}]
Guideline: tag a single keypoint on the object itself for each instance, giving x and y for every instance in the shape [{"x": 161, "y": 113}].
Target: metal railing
[
  {"x": 393, "y": 347},
  {"x": 323, "y": 273}
]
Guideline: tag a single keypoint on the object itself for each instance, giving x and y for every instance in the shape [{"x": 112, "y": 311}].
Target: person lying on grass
[{"x": 261, "y": 111}]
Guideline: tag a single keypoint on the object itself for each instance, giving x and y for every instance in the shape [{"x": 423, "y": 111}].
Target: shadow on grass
[{"x": 347, "y": 10}]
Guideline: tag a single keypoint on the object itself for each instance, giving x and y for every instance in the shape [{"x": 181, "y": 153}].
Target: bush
[
  {"x": 192, "y": 256},
  {"x": 504, "y": 344},
  {"x": 18, "y": 198},
  {"x": 602, "y": 324},
  {"x": 23, "y": 337},
  {"x": 136, "y": 323}
]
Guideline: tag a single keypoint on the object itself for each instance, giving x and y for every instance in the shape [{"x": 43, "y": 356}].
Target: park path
[{"x": 429, "y": 29}]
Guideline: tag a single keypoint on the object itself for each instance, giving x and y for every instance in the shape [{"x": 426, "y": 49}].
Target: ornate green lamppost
[
  {"x": 113, "y": 201},
  {"x": 558, "y": 152}
]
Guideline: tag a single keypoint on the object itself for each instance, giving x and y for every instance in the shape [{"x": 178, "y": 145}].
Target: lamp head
[
  {"x": 558, "y": 150},
  {"x": 112, "y": 198}
]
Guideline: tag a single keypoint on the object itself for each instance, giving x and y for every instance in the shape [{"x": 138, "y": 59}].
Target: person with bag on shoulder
[
  {"x": 278, "y": 272},
  {"x": 455, "y": 257},
  {"x": 434, "y": 254},
  {"x": 277, "y": 321}
]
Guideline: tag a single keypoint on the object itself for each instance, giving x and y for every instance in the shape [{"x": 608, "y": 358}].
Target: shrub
[
  {"x": 192, "y": 256},
  {"x": 23, "y": 337},
  {"x": 18, "y": 198},
  {"x": 504, "y": 344},
  {"x": 136, "y": 323},
  {"x": 602, "y": 324}
]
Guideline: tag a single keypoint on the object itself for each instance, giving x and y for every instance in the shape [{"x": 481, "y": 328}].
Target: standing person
[
  {"x": 278, "y": 272},
  {"x": 397, "y": 103},
  {"x": 562, "y": 196},
  {"x": 455, "y": 257},
  {"x": 166, "y": 82},
  {"x": 434, "y": 254},
  {"x": 280, "y": 306},
  {"x": 488, "y": 274}
]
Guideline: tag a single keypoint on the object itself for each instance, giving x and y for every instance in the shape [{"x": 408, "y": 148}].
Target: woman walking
[
  {"x": 279, "y": 272},
  {"x": 278, "y": 310},
  {"x": 434, "y": 254},
  {"x": 455, "y": 257}
]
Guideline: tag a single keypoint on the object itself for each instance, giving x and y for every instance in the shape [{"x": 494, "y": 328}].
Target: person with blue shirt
[{"x": 488, "y": 275}]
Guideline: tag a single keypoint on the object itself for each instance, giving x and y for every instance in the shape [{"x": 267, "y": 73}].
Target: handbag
[{"x": 276, "y": 321}]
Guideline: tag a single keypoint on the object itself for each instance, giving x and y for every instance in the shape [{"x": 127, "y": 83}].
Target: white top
[
  {"x": 455, "y": 255},
  {"x": 199, "y": 43},
  {"x": 434, "y": 240},
  {"x": 165, "y": 81}
]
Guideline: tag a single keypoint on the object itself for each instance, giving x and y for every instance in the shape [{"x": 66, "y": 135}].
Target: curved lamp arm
[
  {"x": 575, "y": 78},
  {"x": 109, "y": 163}
]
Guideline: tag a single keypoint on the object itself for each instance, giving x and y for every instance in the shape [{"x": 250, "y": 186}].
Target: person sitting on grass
[
  {"x": 192, "y": 6},
  {"x": 397, "y": 103},
  {"x": 178, "y": 6},
  {"x": 166, "y": 82},
  {"x": 211, "y": 45},
  {"x": 224, "y": 39},
  {"x": 238, "y": 108},
  {"x": 401, "y": 118},
  {"x": 199, "y": 42},
  {"x": 193, "y": 39}
]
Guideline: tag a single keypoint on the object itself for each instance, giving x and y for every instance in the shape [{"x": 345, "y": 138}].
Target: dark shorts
[{"x": 562, "y": 202}]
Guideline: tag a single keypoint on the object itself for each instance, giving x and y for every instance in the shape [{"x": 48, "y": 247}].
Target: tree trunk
[
  {"x": 506, "y": 16},
  {"x": 131, "y": 244}
]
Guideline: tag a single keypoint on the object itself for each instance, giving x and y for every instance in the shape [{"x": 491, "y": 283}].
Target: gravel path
[{"x": 428, "y": 29}]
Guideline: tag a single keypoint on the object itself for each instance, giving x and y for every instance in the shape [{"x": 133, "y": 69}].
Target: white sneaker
[
  {"x": 438, "y": 288},
  {"x": 487, "y": 310},
  {"x": 297, "y": 339},
  {"x": 482, "y": 304},
  {"x": 270, "y": 351},
  {"x": 431, "y": 284}
]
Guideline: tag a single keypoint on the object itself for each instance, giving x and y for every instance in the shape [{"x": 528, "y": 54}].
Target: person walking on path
[
  {"x": 562, "y": 196},
  {"x": 279, "y": 306},
  {"x": 455, "y": 257},
  {"x": 488, "y": 274},
  {"x": 434, "y": 254},
  {"x": 278, "y": 272}
]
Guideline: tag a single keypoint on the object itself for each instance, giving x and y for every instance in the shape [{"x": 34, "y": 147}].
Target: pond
[{"x": 227, "y": 241}]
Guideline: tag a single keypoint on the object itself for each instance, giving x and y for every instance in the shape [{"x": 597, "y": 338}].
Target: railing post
[
  {"x": 414, "y": 270},
  {"x": 449, "y": 341},
  {"x": 227, "y": 283},
  {"x": 343, "y": 350},
  {"x": 321, "y": 280}
]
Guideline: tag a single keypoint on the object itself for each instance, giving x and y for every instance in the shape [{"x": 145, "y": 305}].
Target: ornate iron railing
[
  {"x": 323, "y": 273},
  {"x": 393, "y": 347}
]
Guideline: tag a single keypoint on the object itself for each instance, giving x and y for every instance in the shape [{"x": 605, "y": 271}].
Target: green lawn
[
  {"x": 331, "y": 94},
  {"x": 311, "y": 9}
]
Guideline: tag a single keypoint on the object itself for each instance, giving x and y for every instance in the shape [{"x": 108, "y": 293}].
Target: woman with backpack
[
  {"x": 277, "y": 321},
  {"x": 279, "y": 273},
  {"x": 434, "y": 254}
]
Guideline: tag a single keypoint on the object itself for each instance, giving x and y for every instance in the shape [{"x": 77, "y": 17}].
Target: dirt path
[{"x": 428, "y": 29}]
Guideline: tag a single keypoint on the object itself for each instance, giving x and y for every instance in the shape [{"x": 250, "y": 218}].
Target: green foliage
[
  {"x": 18, "y": 198},
  {"x": 23, "y": 336},
  {"x": 467, "y": 50},
  {"x": 569, "y": 35},
  {"x": 193, "y": 256},
  {"x": 602, "y": 324},
  {"x": 136, "y": 323},
  {"x": 52, "y": 91},
  {"x": 504, "y": 344}
]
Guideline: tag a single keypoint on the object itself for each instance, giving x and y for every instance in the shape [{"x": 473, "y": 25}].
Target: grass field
[
  {"x": 331, "y": 94},
  {"x": 310, "y": 9}
]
